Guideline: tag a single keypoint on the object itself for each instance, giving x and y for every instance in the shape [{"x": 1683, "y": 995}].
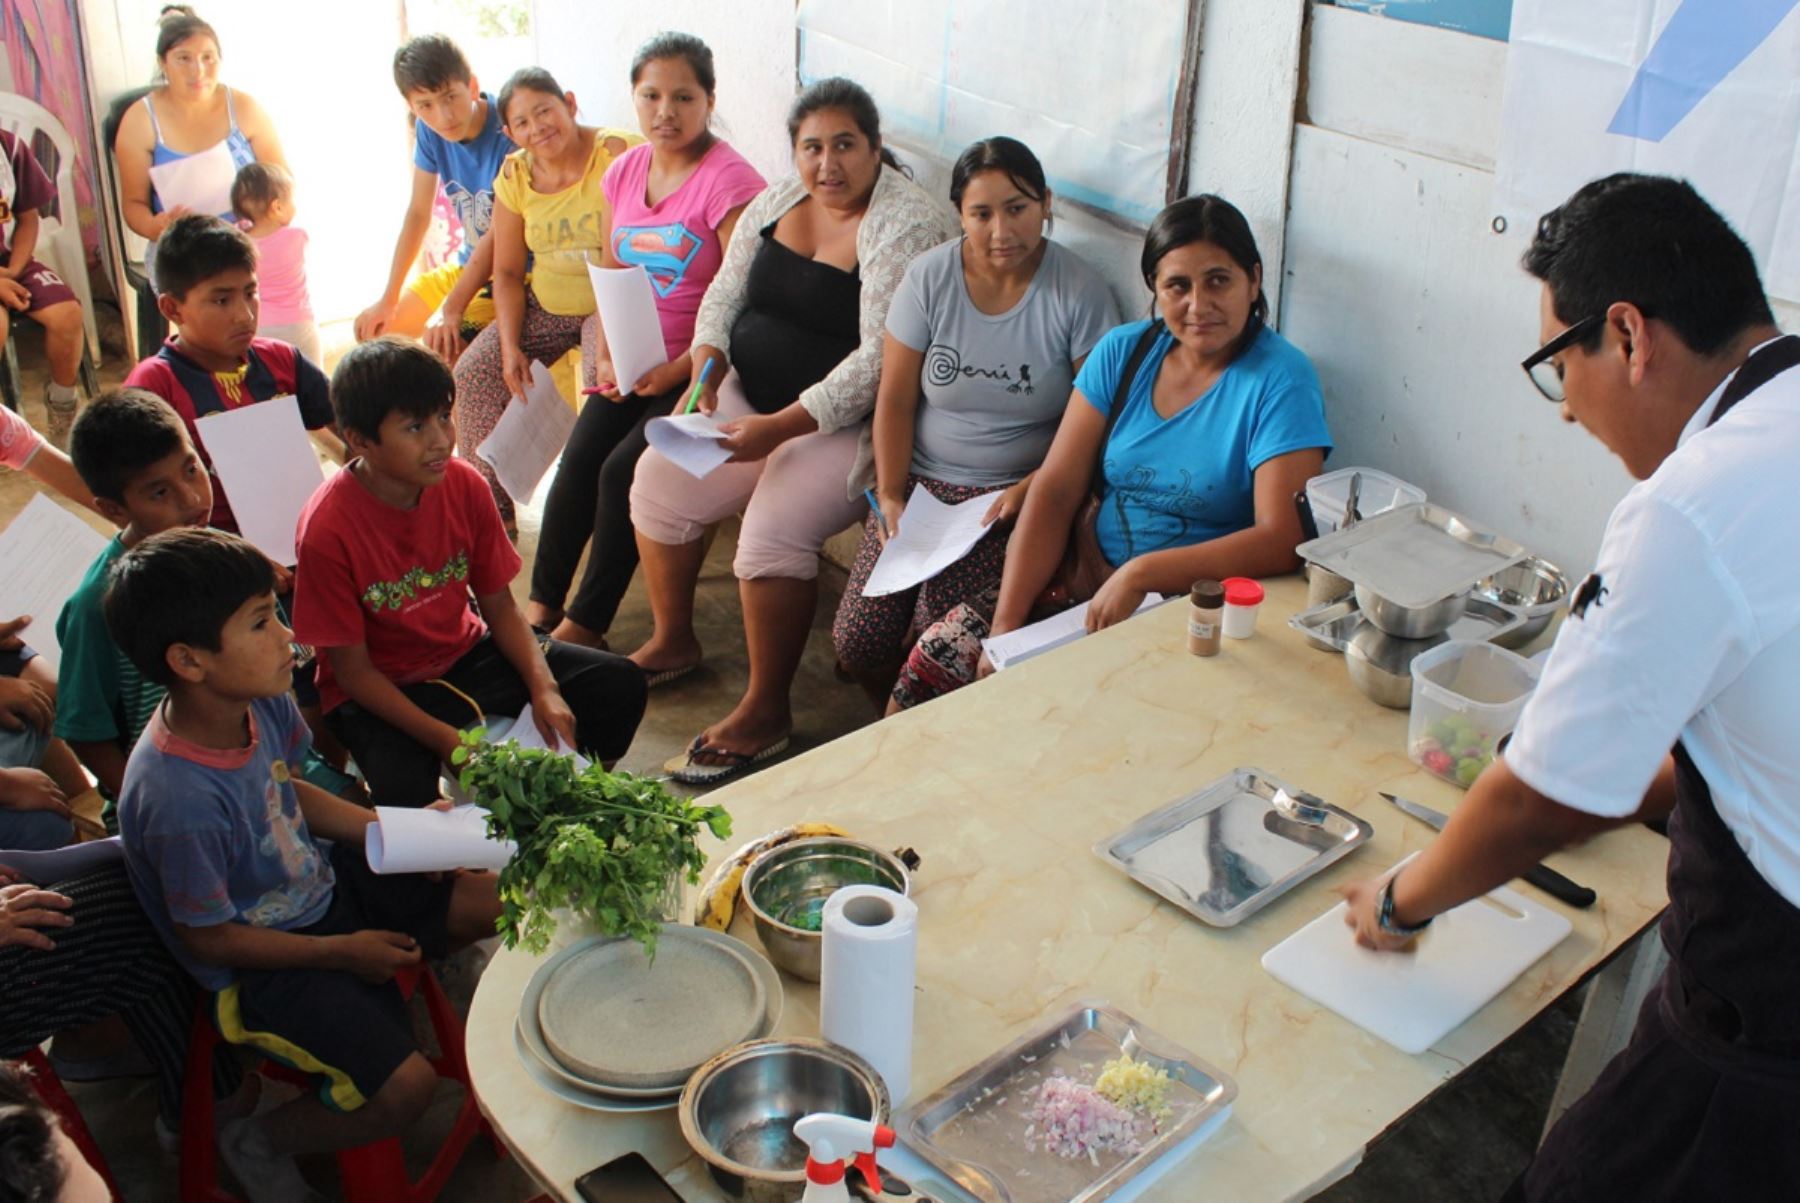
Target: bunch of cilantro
[{"x": 609, "y": 846}]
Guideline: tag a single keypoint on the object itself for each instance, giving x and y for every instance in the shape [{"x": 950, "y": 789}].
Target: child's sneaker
[
  {"x": 61, "y": 412},
  {"x": 265, "y": 1175}
]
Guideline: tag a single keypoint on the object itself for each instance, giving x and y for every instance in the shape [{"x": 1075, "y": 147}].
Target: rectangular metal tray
[
  {"x": 973, "y": 1129},
  {"x": 1414, "y": 555},
  {"x": 1225, "y": 852},
  {"x": 1329, "y": 627}
]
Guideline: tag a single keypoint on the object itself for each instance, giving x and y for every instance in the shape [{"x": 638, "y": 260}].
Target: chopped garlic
[{"x": 1135, "y": 1085}]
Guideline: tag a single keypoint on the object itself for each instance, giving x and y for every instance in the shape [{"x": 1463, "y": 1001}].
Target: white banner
[{"x": 1704, "y": 89}]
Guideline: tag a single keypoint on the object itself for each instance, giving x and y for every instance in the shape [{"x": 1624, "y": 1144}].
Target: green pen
[{"x": 694, "y": 397}]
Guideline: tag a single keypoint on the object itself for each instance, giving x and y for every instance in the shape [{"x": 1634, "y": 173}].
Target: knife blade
[{"x": 1541, "y": 876}]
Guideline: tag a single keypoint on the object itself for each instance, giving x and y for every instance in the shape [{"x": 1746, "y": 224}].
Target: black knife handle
[
  {"x": 1560, "y": 887},
  {"x": 1309, "y": 526}
]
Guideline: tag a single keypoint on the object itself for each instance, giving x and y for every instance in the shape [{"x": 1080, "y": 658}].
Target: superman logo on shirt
[{"x": 664, "y": 252}]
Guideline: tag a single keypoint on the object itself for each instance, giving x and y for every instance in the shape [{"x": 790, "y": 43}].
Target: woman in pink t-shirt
[{"x": 672, "y": 204}]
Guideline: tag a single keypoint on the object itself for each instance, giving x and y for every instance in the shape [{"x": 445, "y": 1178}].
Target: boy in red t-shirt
[
  {"x": 390, "y": 550},
  {"x": 27, "y": 286}
]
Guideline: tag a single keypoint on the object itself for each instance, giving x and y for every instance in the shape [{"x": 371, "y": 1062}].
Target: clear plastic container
[
  {"x": 1328, "y": 494},
  {"x": 1466, "y": 696}
]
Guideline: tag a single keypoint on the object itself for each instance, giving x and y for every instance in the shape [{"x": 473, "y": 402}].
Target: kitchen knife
[
  {"x": 1541, "y": 876},
  {"x": 1309, "y": 526}
]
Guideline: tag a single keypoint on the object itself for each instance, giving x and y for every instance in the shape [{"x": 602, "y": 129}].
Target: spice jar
[
  {"x": 1243, "y": 598},
  {"x": 1206, "y": 617}
]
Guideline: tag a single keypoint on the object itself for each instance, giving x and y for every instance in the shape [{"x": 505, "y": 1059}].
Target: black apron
[{"x": 1704, "y": 1102}]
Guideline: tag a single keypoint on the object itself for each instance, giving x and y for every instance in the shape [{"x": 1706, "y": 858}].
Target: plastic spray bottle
[{"x": 833, "y": 1143}]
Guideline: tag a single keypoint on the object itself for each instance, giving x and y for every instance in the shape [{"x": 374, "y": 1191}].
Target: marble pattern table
[{"x": 1003, "y": 788}]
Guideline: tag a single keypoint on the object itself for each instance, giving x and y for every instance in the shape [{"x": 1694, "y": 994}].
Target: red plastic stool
[
  {"x": 49, "y": 1088},
  {"x": 371, "y": 1173}
]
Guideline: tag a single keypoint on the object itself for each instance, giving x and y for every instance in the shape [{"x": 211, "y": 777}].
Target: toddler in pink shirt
[{"x": 262, "y": 196}]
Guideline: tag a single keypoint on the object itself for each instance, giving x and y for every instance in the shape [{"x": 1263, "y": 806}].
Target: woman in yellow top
[{"x": 548, "y": 210}]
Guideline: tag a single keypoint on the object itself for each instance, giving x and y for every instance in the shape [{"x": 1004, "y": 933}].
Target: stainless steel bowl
[
  {"x": 1409, "y": 622},
  {"x": 1381, "y": 665},
  {"x": 738, "y": 1111},
  {"x": 1534, "y": 586},
  {"x": 788, "y": 885}
]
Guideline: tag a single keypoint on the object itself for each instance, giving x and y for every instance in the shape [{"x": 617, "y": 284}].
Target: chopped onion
[{"x": 1074, "y": 1120}]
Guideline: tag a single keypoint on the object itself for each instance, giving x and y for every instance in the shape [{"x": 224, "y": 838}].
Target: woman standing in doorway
[{"x": 672, "y": 204}]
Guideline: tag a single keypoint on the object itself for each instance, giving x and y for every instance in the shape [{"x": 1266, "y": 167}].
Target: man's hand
[
  {"x": 372, "y": 322},
  {"x": 24, "y": 908},
  {"x": 31, "y": 789},
  {"x": 23, "y": 702},
  {"x": 10, "y": 639},
  {"x": 1362, "y": 901},
  {"x": 14, "y": 295},
  {"x": 375, "y": 956},
  {"x": 443, "y": 335},
  {"x": 554, "y": 720}
]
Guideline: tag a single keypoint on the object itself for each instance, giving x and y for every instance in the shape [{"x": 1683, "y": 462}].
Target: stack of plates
[{"x": 603, "y": 1027}]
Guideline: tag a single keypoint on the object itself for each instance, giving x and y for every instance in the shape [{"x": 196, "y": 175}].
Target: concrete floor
[{"x": 1467, "y": 1143}]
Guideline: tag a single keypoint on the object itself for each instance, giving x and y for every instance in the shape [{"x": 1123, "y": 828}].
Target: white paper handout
[
  {"x": 1014, "y": 647},
  {"x": 690, "y": 442},
  {"x": 529, "y": 436},
  {"x": 200, "y": 181},
  {"x": 524, "y": 730},
  {"x": 932, "y": 537},
  {"x": 44, "y": 553},
  {"x": 268, "y": 467},
  {"x": 407, "y": 840},
  {"x": 634, "y": 338}
]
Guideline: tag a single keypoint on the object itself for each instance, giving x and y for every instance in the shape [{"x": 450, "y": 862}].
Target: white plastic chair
[{"x": 59, "y": 238}]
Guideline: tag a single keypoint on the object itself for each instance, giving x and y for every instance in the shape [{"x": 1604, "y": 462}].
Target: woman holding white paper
[
  {"x": 798, "y": 307},
  {"x": 671, "y": 205},
  {"x": 190, "y": 130},
  {"x": 548, "y": 210},
  {"x": 983, "y": 342}
]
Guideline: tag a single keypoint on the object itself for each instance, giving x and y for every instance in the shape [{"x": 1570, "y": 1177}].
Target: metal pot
[
  {"x": 1536, "y": 588},
  {"x": 738, "y": 1111},
  {"x": 1381, "y": 665},
  {"x": 792, "y": 881},
  {"x": 1410, "y": 622}
]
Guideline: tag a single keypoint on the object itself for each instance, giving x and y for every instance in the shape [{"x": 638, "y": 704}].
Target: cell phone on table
[{"x": 627, "y": 1179}]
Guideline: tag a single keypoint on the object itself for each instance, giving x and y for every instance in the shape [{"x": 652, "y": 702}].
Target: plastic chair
[
  {"x": 49, "y": 1088},
  {"x": 59, "y": 235},
  {"x": 371, "y": 1173},
  {"x": 151, "y": 327}
]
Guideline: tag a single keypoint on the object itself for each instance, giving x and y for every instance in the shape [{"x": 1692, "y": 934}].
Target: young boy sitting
[
  {"x": 459, "y": 143},
  {"x": 206, "y": 271},
  {"x": 390, "y": 550},
  {"x": 134, "y": 455},
  {"x": 299, "y": 943},
  {"x": 27, "y": 286}
]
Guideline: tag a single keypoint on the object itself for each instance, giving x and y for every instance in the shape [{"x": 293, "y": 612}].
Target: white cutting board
[{"x": 1413, "y": 1000}]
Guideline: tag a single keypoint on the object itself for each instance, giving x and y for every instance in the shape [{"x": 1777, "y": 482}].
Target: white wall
[
  {"x": 1414, "y": 310},
  {"x": 588, "y": 45}
]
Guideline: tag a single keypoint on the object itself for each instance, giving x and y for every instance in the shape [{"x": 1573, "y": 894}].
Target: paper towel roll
[{"x": 866, "y": 973}]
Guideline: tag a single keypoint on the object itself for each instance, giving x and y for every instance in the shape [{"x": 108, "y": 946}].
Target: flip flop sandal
[
  {"x": 665, "y": 675},
  {"x": 684, "y": 770}
]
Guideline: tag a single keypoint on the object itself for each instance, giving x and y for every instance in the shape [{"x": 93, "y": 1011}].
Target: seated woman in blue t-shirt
[{"x": 1223, "y": 423}]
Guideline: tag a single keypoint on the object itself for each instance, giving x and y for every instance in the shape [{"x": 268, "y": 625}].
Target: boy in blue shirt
[
  {"x": 299, "y": 942},
  {"x": 458, "y": 141}
]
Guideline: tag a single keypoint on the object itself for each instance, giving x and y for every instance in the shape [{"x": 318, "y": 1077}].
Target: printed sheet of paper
[
  {"x": 524, "y": 730},
  {"x": 405, "y": 840},
  {"x": 932, "y": 537},
  {"x": 201, "y": 181},
  {"x": 45, "y": 552},
  {"x": 268, "y": 467},
  {"x": 60, "y": 864},
  {"x": 634, "y": 338},
  {"x": 690, "y": 442},
  {"x": 1015, "y": 647},
  {"x": 529, "y": 436}
]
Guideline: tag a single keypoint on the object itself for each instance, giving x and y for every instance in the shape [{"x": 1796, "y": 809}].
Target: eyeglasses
[{"x": 1547, "y": 375}]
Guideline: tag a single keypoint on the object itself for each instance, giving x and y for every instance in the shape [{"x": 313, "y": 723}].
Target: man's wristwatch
[{"x": 1384, "y": 914}]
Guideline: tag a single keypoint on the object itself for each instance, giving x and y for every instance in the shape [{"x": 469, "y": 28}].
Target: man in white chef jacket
[{"x": 1658, "y": 339}]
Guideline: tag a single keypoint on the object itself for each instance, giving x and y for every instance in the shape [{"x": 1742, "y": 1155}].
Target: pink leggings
[
  {"x": 481, "y": 392},
  {"x": 796, "y": 498}
]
